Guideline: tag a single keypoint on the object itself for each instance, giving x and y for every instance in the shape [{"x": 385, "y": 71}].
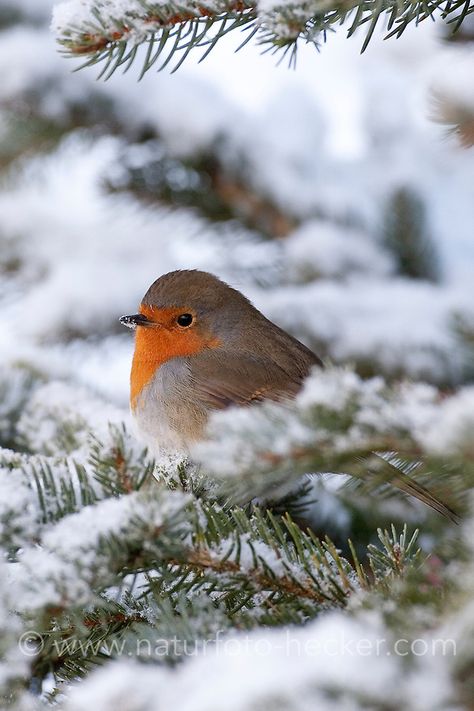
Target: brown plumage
[{"x": 240, "y": 356}]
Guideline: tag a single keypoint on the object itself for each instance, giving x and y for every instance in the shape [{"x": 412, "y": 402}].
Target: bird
[{"x": 201, "y": 346}]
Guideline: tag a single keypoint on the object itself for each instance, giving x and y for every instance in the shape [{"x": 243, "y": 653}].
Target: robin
[{"x": 201, "y": 346}]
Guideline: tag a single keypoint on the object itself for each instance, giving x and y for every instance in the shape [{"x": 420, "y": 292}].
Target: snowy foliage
[
  {"x": 172, "y": 575},
  {"x": 299, "y": 670},
  {"x": 338, "y": 410},
  {"x": 109, "y": 31}
]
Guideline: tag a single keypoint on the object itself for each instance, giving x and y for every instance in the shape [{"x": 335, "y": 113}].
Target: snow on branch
[
  {"x": 110, "y": 31},
  {"x": 339, "y": 423}
]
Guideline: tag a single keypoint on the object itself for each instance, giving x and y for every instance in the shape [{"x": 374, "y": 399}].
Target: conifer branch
[
  {"x": 197, "y": 560},
  {"x": 110, "y": 36}
]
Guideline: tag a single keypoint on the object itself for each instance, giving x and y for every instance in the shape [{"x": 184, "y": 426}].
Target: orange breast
[{"x": 155, "y": 346}]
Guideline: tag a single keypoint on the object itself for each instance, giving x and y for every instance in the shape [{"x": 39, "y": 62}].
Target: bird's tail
[{"x": 409, "y": 486}]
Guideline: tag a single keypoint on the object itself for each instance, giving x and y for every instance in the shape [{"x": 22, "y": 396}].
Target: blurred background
[{"x": 326, "y": 193}]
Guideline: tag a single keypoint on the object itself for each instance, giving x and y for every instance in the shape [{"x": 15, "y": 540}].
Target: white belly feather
[{"x": 167, "y": 415}]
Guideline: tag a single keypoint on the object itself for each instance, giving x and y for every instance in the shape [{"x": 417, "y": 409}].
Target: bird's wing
[{"x": 220, "y": 379}]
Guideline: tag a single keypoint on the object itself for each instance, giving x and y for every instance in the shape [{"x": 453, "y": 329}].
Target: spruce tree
[{"x": 285, "y": 543}]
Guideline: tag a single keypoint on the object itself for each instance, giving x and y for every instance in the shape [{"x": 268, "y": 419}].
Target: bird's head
[{"x": 183, "y": 313}]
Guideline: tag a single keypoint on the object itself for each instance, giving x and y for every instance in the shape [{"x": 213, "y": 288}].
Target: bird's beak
[{"x": 135, "y": 320}]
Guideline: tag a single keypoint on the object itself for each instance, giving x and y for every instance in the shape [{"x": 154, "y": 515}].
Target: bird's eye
[{"x": 185, "y": 320}]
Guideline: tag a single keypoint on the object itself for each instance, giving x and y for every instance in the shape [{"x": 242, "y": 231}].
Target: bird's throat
[
  {"x": 154, "y": 346},
  {"x": 147, "y": 357}
]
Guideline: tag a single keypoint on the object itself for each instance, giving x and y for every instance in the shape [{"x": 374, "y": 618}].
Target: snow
[
  {"x": 12, "y": 662},
  {"x": 58, "y": 412},
  {"x": 358, "y": 411},
  {"x": 329, "y": 663},
  {"x": 403, "y": 325},
  {"x": 451, "y": 429},
  {"x": 72, "y": 14},
  {"x": 318, "y": 249},
  {"x": 250, "y": 553},
  {"x": 19, "y": 515},
  {"x": 78, "y": 12},
  {"x": 70, "y": 565}
]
